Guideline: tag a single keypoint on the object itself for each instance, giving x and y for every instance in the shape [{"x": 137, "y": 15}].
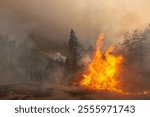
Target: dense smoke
[
  {"x": 33, "y": 31},
  {"x": 53, "y": 19}
]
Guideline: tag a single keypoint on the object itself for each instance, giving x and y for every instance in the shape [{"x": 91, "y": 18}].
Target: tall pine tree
[{"x": 73, "y": 54}]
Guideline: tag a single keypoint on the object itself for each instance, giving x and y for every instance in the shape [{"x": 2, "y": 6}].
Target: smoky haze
[
  {"x": 50, "y": 22},
  {"x": 53, "y": 19}
]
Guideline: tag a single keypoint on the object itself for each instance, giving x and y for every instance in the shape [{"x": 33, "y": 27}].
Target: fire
[{"x": 101, "y": 72}]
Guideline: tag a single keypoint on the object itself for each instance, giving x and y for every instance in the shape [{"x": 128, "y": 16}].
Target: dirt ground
[{"x": 61, "y": 92}]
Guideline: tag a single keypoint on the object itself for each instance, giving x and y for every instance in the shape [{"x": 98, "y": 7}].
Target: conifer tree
[{"x": 73, "y": 54}]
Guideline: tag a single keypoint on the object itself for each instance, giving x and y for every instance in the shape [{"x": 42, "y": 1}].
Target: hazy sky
[{"x": 54, "y": 18}]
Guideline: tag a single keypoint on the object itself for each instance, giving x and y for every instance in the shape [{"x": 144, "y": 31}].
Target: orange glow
[{"x": 101, "y": 72}]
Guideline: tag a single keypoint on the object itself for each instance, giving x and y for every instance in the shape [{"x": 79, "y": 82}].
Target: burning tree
[{"x": 101, "y": 72}]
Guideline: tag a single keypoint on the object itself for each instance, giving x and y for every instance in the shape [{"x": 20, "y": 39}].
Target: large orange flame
[{"x": 101, "y": 72}]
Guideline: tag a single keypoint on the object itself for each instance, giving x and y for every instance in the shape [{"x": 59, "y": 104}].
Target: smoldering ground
[{"x": 44, "y": 25}]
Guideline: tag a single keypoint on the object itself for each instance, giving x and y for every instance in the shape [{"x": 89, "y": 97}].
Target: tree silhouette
[
  {"x": 73, "y": 54},
  {"x": 133, "y": 47}
]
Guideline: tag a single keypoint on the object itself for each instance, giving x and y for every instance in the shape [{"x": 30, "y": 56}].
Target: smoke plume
[{"x": 39, "y": 24}]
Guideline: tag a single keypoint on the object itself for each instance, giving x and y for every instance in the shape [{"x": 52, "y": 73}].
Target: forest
[{"x": 29, "y": 70}]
